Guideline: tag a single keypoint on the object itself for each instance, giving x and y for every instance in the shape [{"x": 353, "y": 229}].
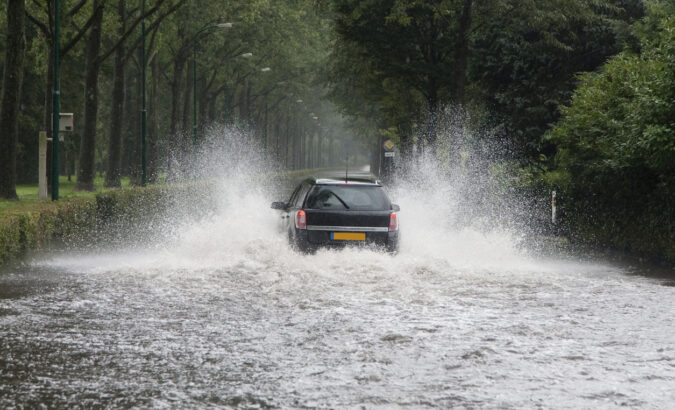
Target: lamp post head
[
  {"x": 224, "y": 25},
  {"x": 247, "y": 55},
  {"x": 265, "y": 69}
]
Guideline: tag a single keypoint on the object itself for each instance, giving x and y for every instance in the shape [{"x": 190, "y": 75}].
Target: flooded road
[
  {"x": 238, "y": 319},
  {"x": 221, "y": 313}
]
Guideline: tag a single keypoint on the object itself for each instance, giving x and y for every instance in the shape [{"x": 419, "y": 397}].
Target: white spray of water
[{"x": 242, "y": 234}]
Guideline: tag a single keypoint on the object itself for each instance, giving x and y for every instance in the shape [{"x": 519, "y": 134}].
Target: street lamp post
[
  {"x": 197, "y": 37},
  {"x": 56, "y": 108},
  {"x": 144, "y": 111}
]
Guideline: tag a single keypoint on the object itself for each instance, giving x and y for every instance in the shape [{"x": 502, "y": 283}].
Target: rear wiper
[{"x": 340, "y": 199}]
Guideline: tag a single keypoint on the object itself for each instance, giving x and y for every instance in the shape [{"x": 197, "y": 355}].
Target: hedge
[{"x": 109, "y": 216}]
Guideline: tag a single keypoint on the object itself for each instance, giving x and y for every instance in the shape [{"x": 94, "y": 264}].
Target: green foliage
[
  {"x": 616, "y": 144},
  {"x": 394, "y": 61},
  {"x": 291, "y": 37},
  {"x": 11, "y": 242},
  {"x": 111, "y": 217},
  {"x": 527, "y": 56}
]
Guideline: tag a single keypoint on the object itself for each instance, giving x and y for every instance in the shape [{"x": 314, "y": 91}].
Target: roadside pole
[
  {"x": 56, "y": 108},
  {"x": 387, "y": 160},
  {"x": 42, "y": 166},
  {"x": 554, "y": 208},
  {"x": 144, "y": 111}
]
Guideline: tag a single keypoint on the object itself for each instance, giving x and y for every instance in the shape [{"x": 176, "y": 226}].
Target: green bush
[
  {"x": 112, "y": 216},
  {"x": 616, "y": 146}
]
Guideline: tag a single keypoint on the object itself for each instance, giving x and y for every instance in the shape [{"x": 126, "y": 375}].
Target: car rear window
[{"x": 352, "y": 197}]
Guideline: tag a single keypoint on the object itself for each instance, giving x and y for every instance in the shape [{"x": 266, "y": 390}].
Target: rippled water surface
[{"x": 225, "y": 314}]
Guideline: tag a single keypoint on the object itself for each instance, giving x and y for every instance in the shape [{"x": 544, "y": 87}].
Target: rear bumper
[{"x": 320, "y": 236}]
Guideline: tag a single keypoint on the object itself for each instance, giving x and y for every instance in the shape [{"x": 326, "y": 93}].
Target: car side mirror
[
  {"x": 278, "y": 205},
  {"x": 395, "y": 207}
]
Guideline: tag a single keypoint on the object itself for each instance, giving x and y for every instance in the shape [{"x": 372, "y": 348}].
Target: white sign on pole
[{"x": 66, "y": 122}]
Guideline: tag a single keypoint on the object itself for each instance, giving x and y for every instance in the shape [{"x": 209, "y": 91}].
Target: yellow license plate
[{"x": 348, "y": 236}]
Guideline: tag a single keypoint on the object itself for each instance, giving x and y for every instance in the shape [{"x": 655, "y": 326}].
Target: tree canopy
[
  {"x": 516, "y": 58},
  {"x": 616, "y": 142}
]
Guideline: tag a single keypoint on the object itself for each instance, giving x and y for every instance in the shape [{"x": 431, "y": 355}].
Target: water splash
[{"x": 440, "y": 226}]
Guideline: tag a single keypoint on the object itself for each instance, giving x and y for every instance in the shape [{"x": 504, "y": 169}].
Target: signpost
[
  {"x": 55, "y": 101},
  {"x": 387, "y": 162}
]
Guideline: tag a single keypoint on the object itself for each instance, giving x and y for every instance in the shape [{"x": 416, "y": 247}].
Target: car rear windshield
[{"x": 352, "y": 197}]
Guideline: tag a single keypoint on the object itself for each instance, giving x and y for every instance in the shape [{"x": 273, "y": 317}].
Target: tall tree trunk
[
  {"x": 462, "y": 55},
  {"x": 303, "y": 148},
  {"x": 178, "y": 70},
  {"x": 112, "y": 176},
  {"x": 432, "y": 120},
  {"x": 228, "y": 110},
  {"x": 294, "y": 142},
  {"x": 277, "y": 137},
  {"x": 249, "y": 115},
  {"x": 203, "y": 101},
  {"x": 188, "y": 143},
  {"x": 187, "y": 103},
  {"x": 11, "y": 96},
  {"x": 136, "y": 174},
  {"x": 177, "y": 149},
  {"x": 406, "y": 144},
  {"x": 153, "y": 124},
  {"x": 287, "y": 139},
  {"x": 85, "y": 171},
  {"x": 311, "y": 149},
  {"x": 211, "y": 111},
  {"x": 330, "y": 159}
]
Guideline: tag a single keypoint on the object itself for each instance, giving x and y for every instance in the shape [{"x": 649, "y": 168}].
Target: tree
[
  {"x": 11, "y": 96},
  {"x": 525, "y": 61},
  {"x": 421, "y": 45},
  {"x": 94, "y": 59},
  {"x": 85, "y": 170},
  {"x": 518, "y": 58},
  {"x": 122, "y": 55},
  {"x": 288, "y": 36},
  {"x": 616, "y": 144},
  {"x": 113, "y": 172}
]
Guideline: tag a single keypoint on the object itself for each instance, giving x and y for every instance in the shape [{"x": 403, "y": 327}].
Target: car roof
[{"x": 335, "y": 177}]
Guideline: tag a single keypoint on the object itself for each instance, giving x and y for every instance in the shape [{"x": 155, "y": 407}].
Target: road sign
[
  {"x": 388, "y": 145},
  {"x": 389, "y": 154}
]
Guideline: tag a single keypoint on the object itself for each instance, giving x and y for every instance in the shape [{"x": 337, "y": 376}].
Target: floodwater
[{"x": 224, "y": 314}]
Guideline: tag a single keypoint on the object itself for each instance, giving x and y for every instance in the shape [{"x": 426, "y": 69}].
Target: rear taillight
[
  {"x": 393, "y": 222},
  {"x": 301, "y": 220}
]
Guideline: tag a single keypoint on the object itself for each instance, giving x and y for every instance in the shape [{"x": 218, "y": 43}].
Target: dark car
[{"x": 334, "y": 212}]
